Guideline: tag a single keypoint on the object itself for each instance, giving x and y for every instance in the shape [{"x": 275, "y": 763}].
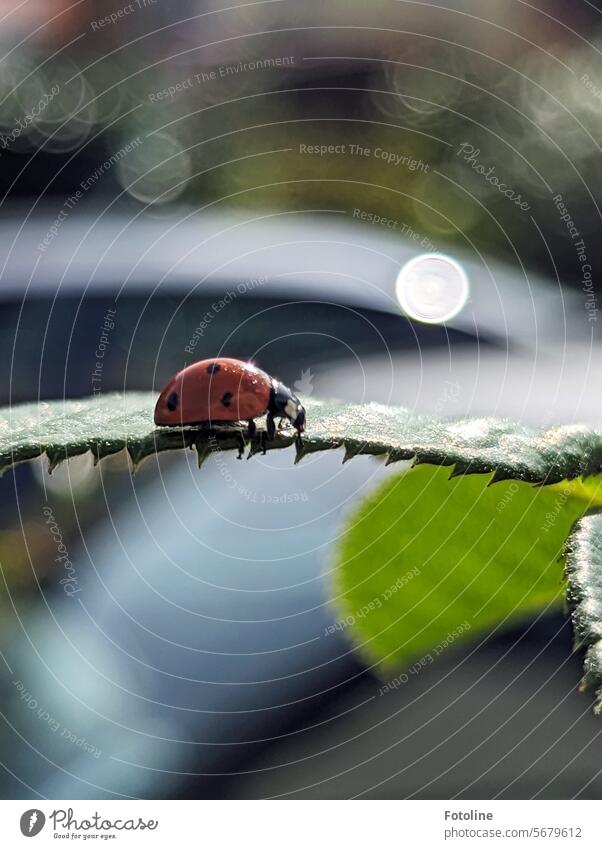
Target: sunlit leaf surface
[{"x": 436, "y": 556}]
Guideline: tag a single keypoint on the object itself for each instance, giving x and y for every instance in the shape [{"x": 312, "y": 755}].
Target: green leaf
[
  {"x": 108, "y": 423},
  {"x": 430, "y": 558},
  {"x": 427, "y": 562},
  {"x": 584, "y": 576}
]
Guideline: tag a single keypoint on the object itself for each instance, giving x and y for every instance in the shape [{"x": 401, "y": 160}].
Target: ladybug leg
[
  {"x": 263, "y": 441},
  {"x": 270, "y": 426},
  {"x": 241, "y": 445},
  {"x": 251, "y": 431}
]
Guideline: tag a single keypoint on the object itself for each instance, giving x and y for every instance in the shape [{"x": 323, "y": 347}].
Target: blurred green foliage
[{"x": 427, "y": 563}]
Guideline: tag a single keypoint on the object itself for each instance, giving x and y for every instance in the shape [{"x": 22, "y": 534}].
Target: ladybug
[{"x": 227, "y": 390}]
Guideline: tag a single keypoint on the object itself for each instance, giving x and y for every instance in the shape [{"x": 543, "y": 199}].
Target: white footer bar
[{"x": 303, "y": 824}]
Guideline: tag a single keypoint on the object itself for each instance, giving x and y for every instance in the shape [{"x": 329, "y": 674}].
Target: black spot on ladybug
[
  {"x": 213, "y": 368},
  {"x": 226, "y": 399},
  {"x": 172, "y": 401}
]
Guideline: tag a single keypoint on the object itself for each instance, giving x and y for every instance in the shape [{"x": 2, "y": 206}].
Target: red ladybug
[{"x": 227, "y": 390}]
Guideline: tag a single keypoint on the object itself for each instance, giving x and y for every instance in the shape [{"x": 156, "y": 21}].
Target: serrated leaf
[
  {"x": 108, "y": 423},
  {"x": 584, "y": 576},
  {"x": 480, "y": 564}
]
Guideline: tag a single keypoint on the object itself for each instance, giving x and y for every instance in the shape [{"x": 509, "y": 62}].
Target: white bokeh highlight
[{"x": 432, "y": 288}]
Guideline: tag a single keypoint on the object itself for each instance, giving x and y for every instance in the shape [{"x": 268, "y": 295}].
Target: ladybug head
[{"x": 299, "y": 421}]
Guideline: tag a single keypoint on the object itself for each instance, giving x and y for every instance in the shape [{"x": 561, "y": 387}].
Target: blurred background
[{"x": 268, "y": 181}]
